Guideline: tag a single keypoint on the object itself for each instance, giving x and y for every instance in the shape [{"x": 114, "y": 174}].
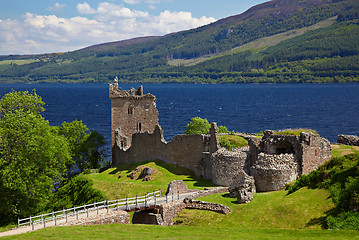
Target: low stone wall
[
  {"x": 170, "y": 210},
  {"x": 177, "y": 186},
  {"x": 350, "y": 140},
  {"x": 226, "y": 164},
  {"x": 207, "y": 192},
  {"x": 201, "y": 205},
  {"x": 272, "y": 172},
  {"x": 119, "y": 217}
]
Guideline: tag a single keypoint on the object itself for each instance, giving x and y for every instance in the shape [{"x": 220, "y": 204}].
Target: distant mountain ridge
[{"x": 326, "y": 52}]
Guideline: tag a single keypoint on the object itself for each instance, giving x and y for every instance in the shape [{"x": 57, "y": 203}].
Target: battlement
[{"x": 116, "y": 92}]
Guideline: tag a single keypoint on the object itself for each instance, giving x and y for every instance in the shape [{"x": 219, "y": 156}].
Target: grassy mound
[
  {"x": 232, "y": 141},
  {"x": 340, "y": 176},
  {"x": 296, "y": 132},
  {"x": 116, "y": 183}
]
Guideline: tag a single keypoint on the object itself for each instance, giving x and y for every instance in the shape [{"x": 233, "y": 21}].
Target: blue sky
[{"x": 39, "y": 26}]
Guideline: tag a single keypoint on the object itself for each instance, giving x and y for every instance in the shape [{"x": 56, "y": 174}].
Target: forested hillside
[{"x": 278, "y": 41}]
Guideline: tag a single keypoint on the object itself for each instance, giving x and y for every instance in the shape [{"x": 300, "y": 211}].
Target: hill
[
  {"x": 278, "y": 41},
  {"x": 271, "y": 215}
]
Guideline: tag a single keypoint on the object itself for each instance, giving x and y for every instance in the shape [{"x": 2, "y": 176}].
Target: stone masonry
[
  {"x": 273, "y": 161},
  {"x": 351, "y": 140},
  {"x": 131, "y": 112}
]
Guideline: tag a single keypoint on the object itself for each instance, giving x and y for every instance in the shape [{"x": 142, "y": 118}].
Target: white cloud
[
  {"x": 110, "y": 22},
  {"x": 132, "y": 1},
  {"x": 57, "y": 7},
  {"x": 85, "y": 8},
  {"x": 108, "y": 11}
]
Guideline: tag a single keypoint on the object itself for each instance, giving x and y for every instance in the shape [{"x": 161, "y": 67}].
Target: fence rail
[{"x": 127, "y": 204}]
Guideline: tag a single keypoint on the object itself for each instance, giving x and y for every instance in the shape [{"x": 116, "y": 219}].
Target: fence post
[
  {"x": 18, "y": 222},
  {"x": 136, "y": 202},
  {"x": 94, "y": 204},
  {"x": 66, "y": 216},
  {"x": 117, "y": 204},
  {"x": 127, "y": 203},
  {"x": 53, "y": 215},
  {"x": 33, "y": 226},
  {"x": 42, "y": 217},
  {"x": 155, "y": 200},
  {"x": 146, "y": 201},
  {"x": 160, "y": 192},
  {"x": 172, "y": 196},
  {"x": 107, "y": 205},
  {"x": 30, "y": 220},
  {"x": 44, "y": 223},
  {"x": 55, "y": 220},
  {"x": 77, "y": 215}
]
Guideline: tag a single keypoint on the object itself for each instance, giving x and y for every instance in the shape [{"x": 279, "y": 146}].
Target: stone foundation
[
  {"x": 201, "y": 205},
  {"x": 119, "y": 217},
  {"x": 225, "y": 165},
  {"x": 272, "y": 172}
]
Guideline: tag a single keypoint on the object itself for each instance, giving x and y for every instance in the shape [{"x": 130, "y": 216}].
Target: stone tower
[{"x": 131, "y": 112}]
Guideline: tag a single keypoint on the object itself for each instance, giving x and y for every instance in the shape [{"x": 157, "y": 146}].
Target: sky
[{"x": 46, "y": 26}]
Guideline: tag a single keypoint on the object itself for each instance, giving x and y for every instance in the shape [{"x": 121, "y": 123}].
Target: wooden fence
[{"x": 127, "y": 204}]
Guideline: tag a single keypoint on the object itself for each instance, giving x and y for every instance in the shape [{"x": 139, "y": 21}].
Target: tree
[
  {"x": 23, "y": 101},
  {"x": 87, "y": 149},
  {"x": 36, "y": 157},
  {"x": 93, "y": 150},
  {"x": 202, "y": 126},
  {"x": 75, "y": 133},
  {"x": 33, "y": 157},
  {"x": 198, "y": 126},
  {"x": 76, "y": 192}
]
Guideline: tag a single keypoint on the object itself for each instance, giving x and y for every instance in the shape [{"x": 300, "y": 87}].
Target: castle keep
[
  {"x": 131, "y": 112},
  {"x": 273, "y": 160}
]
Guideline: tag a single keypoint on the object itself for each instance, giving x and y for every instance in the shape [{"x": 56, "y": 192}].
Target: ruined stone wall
[
  {"x": 184, "y": 150},
  {"x": 201, "y": 205},
  {"x": 350, "y": 140},
  {"x": 271, "y": 172},
  {"x": 170, "y": 210},
  {"x": 131, "y": 112},
  {"x": 226, "y": 164},
  {"x": 315, "y": 151}
]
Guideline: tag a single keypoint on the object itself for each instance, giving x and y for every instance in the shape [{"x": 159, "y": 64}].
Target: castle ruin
[{"x": 273, "y": 160}]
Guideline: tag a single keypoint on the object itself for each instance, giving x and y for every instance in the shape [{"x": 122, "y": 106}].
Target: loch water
[{"x": 331, "y": 109}]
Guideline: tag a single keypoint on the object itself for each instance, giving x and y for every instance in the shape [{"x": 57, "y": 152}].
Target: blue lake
[{"x": 331, "y": 109}]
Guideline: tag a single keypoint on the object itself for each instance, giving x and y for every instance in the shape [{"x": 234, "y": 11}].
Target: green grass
[
  {"x": 232, "y": 141},
  {"x": 255, "y": 46},
  {"x": 114, "y": 231},
  {"x": 273, "y": 210},
  {"x": 18, "y": 62},
  {"x": 272, "y": 215},
  {"x": 296, "y": 132},
  {"x": 114, "y": 182},
  {"x": 341, "y": 150}
]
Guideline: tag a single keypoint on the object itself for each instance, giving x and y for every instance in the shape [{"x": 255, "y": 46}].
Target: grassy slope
[
  {"x": 115, "y": 183},
  {"x": 256, "y": 45},
  {"x": 272, "y": 215}
]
